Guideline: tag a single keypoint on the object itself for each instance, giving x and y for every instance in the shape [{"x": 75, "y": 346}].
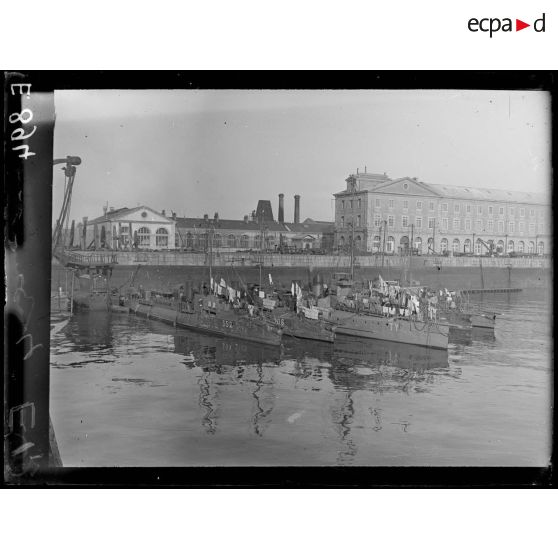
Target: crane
[
  {"x": 488, "y": 245},
  {"x": 71, "y": 161}
]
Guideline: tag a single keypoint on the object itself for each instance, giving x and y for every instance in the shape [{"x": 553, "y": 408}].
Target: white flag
[{"x": 270, "y": 280}]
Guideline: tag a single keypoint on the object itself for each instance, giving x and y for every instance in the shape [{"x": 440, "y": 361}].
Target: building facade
[
  {"x": 125, "y": 229},
  {"x": 391, "y": 215}
]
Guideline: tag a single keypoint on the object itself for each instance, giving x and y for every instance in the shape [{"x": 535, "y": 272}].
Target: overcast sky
[{"x": 197, "y": 152}]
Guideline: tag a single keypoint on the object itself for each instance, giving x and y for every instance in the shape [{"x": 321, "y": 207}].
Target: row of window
[
  {"x": 443, "y": 207},
  {"x": 456, "y": 224},
  {"x": 190, "y": 240},
  {"x": 480, "y": 248}
]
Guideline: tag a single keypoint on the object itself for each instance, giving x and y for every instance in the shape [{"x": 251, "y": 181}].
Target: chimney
[
  {"x": 246, "y": 218},
  {"x": 105, "y": 208},
  {"x": 111, "y": 208},
  {"x": 281, "y": 212},
  {"x": 216, "y": 217},
  {"x": 163, "y": 212},
  {"x": 297, "y": 210},
  {"x": 174, "y": 214}
]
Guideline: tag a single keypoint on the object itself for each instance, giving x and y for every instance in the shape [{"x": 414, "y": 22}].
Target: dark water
[{"x": 129, "y": 392}]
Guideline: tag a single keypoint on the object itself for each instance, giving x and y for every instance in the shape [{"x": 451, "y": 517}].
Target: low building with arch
[
  {"x": 139, "y": 228},
  {"x": 388, "y": 215}
]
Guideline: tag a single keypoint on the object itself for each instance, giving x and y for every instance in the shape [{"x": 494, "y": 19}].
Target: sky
[{"x": 205, "y": 151}]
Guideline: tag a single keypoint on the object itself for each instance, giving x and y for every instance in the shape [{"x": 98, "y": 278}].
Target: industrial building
[{"x": 378, "y": 214}]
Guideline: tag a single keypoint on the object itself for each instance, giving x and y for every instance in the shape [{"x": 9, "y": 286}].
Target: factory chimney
[
  {"x": 297, "y": 210},
  {"x": 281, "y": 212}
]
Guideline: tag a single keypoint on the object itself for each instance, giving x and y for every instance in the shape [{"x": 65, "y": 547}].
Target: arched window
[
  {"x": 189, "y": 240},
  {"x": 500, "y": 247},
  {"x": 144, "y": 237},
  {"x": 444, "y": 245},
  {"x": 202, "y": 241},
  {"x": 531, "y": 247},
  {"x": 376, "y": 245},
  {"x": 358, "y": 242},
  {"x": 390, "y": 247},
  {"x": 161, "y": 238},
  {"x": 521, "y": 247},
  {"x": 418, "y": 245},
  {"x": 244, "y": 240},
  {"x": 177, "y": 240},
  {"x": 217, "y": 240},
  {"x": 430, "y": 245},
  {"x": 231, "y": 241},
  {"x": 467, "y": 246},
  {"x": 540, "y": 248},
  {"x": 478, "y": 247},
  {"x": 342, "y": 241},
  {"x": 456, "y": 245},
  {"x": 404, "y": 244},
  {"x": 510, "y": 246}
]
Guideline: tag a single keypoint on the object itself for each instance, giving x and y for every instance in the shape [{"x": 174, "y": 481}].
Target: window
[
  {"x": 342, "y": 204},
  {"x": 468, "y": 208},
  {"x": 431, "y": 222},
  {"x": 444, "y": 207},
  {"x": 231, "y": 241},
  {"x": 390, "y": 220},
  {"x": 405, "y": 186},
  {"x": 540, "y": 248},
  {"x": 467, "y": 246},
  {"x": 490, "y": 226},
  {"x": 359, "y": 203},
  {"x": 418, "y": 222},
  {"x": 479, "y": 209},
  {"x": 512, "y": 211},
  {"x": 478, "y": 247},
  {"x": 500, "y": 211},
  {"x": 144, "y": 236},
  {"x": 511, "y": 227},
  {"x": 405, "y": 204},
  {"x": 419, "y": 206},
  {"x": 467, "y": 224},
  {"x": 161, "y": 238},
  {"x": 377, "y": 221},
  {"x": 404, "y": 221},
  {"x": 510, "y": 246},
  {"x": 531, "y": 228},
  {"x": 390, "y": 203},
  {"x": 456, "y": 208},
  {"x": 531, "y": 213},
  {"x": 244, "y": 240},
  {"x": 479, "y": 225},
  {"x": 378, "y": 202},
  {"x": 358, "y": 221},
  {"x": 431, "y": 206},
  {"x": 522, "y": 212},
  {"x": 217, "y": 241},
  {"x": 342, "y": 221},
  {"x": 490, "y": 210},
  {"x": 351, "y": 204},
  {"x": 376, "y": 244},
  {"x": 456, "y": 224},
  {"x": 521, "y": 247},
  {"x": 189, "y": 240},
  {"x": 445, "y": 224},
  {"x": 455, "y": 245},
  {"x": 500, "y": 226},
  {"x": 390, "y": 244},
  {"x": 521, "y": 227},
  {"x": 531, "y": 247},
  {"x": 418, "y": 244},
  {"x": 444, "y": 245}
]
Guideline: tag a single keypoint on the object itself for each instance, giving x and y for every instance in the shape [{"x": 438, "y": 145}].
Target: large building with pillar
[{"x": 391, "y": 215}]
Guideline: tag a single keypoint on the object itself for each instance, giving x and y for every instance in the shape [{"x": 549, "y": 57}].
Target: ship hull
[
  {"x": 93, "y": 302},
  {"x": 304, "y": 328},
  {"x": 487, "y": 321},
  {"x": 398, "y": 330},
  {"x": 226, "y": 324}
]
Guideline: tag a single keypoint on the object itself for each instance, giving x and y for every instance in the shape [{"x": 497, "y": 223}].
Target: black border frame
[{"x": 282, "y": 477}]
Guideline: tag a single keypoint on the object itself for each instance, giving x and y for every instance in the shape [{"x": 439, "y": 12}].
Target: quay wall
[
  {"x": 247, "y": 259},
  {"x": 427, "y": 271}
]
